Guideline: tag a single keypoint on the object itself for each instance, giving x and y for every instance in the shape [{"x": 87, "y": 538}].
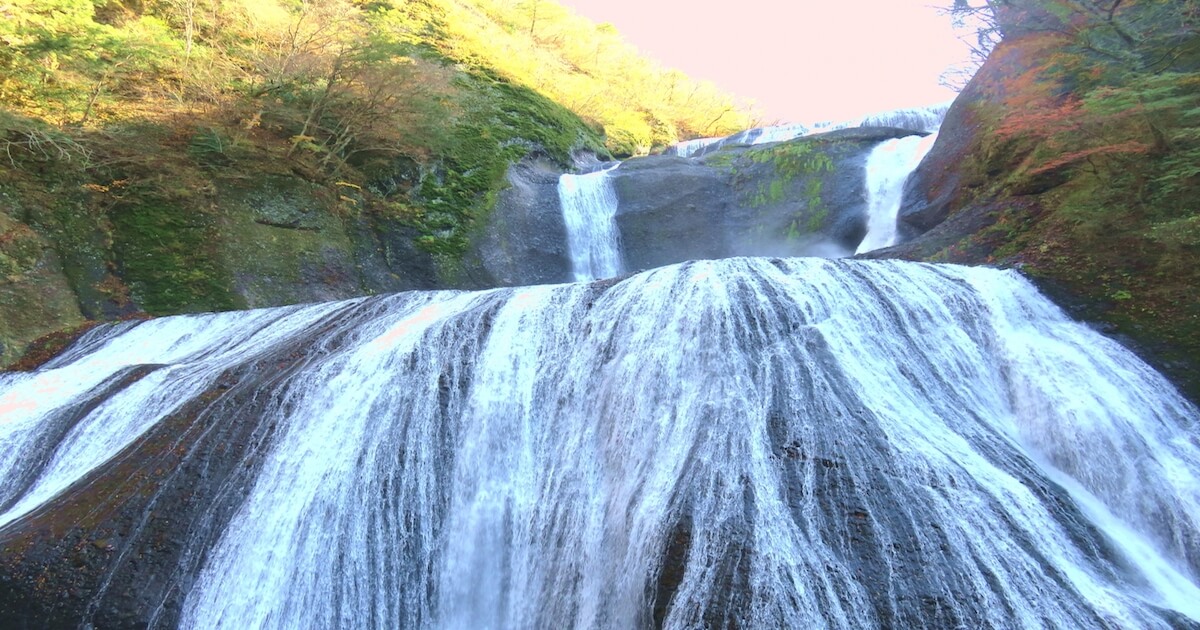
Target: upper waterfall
[
  {"x": 923, "y": 120},
  {"x": 589, "y": 205},
  {"x": 887, "y": 168},
  {"x": 734, "y": 443}
]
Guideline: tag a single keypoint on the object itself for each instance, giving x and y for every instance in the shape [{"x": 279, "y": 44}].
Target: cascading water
[
  {"x": 688, "y": 148},
  {"x": 888, "y": 167},
  {"x": 746, "y": 443},
  {"x": 589, "y": 206},
  {"x": 921, "y": 119},
  {"x": 40, "y": 456},
  {"x": 925, "y": 119}
]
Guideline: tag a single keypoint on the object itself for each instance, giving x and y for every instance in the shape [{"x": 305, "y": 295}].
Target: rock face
[
  {"x": 35, "y": 298},
  {"x": 671, "y": 209},
  {"x": 249, "y": 242},
  {"x": 284, "y": 240},
  {"x": 1064, "y": 156},
  {"x": 942, "y": 183},
  {"x": 524, "y": 240},
  {"x": 278, "y": 239},
  {"x": 805, "y": 197}
]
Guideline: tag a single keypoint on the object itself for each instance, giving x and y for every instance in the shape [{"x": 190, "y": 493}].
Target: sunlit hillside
[
  {"x": 589, "y": 68},
  {"x": 79, "y": 62},
  {"x": 163, "y": 156}
]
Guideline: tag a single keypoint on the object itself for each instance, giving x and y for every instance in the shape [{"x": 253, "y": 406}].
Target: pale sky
[{"x": 799, "y": 60}]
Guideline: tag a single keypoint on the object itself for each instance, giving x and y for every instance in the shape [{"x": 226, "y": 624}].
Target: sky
[{"x": 799, "y": 60}]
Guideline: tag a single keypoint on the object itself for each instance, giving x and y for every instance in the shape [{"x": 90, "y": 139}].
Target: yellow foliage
[
  {"x": 591, "y": 70},
  {"x": 264, "y": 15},
  {"x": 313, "y": 53}
]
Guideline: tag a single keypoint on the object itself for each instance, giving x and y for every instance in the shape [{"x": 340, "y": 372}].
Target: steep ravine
[{"x": 1071, "y": 154}]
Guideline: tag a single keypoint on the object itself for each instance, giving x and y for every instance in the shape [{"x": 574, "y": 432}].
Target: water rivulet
[{"x": 746, "y": 443}]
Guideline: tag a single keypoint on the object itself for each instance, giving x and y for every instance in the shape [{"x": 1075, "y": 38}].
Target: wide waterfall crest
[
  {"x": 924, "y": 120},
  {"x": 744, "y": 442},
  {"x": 589, "y": 205}
]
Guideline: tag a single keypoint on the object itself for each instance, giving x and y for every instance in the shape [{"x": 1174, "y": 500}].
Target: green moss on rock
[
  {"x": 167, "y": 255},
  {"x": 500, "y": 123},
  {"x": 281, "y": 241},
  {"x": 35, "y": 298}
]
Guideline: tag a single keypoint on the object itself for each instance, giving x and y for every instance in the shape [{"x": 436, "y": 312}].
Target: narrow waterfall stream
[
  {"x": 589, "y": 206},
  {"x": 888, "y": 167},
  {"x": 743, "y": 443}
]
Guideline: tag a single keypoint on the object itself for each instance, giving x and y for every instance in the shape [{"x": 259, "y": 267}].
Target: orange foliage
[
  {"x": 1042, "y": 122},
  {"x": 1131, "y": 147}
]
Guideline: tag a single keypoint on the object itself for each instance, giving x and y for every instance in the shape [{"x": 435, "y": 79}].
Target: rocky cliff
[
  {"x": 803, "y": 197},
  {"x": 1072, "y": 153}
]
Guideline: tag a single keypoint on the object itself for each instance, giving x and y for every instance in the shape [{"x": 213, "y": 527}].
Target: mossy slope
[{"x": 1073, "y": 154}]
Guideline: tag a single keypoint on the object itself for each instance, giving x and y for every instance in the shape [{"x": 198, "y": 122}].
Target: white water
[
  {"x": 888, "y": 167},
  {"x": 191, "y": 350},
  {"x": 688, "y": 148},
  {"x": 845, "y": 444},
  {"x": 923, "y": 119},
  {"x": 589, "y": 205}
]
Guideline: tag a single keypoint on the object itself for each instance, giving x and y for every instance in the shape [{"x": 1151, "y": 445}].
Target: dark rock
[
  {"x": 387, "y": 259},
  {"x": 735, "y": 203},
  {"x": 872, "y": 135},
  {"x": 524, "y": 240},
  {"x": 394, "y": 176},
  {"x": 671, "y": 209}
]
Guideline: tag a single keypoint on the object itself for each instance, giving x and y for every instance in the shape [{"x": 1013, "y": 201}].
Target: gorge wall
[
  {"x": 800, "y": 197},
  {"x": 1071, "y": 153}
]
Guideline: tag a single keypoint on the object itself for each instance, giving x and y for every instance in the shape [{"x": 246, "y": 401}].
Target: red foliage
[
  {"x": 1042, "y": 122},
  {"x": 1131, "y": 147}
]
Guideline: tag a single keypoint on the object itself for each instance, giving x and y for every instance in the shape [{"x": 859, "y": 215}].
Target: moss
[
  {"x": 791, "y": 160},
  {"x": 35, "y": 297},
  {"x": 796, "y": 170},
  {"x": 166, "y": 255},
  {"x": 723, "y": 159},
  {"x": 500, "y": 123},
  {"x": 282, "y": 242},
  {"x": 20, "y": 249}
]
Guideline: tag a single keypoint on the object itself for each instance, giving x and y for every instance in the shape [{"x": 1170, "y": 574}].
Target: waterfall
[
  {"x": 888, "y": 167},
  {"x": 40, "y": 455},
  {"x": 589, "y": 205},
  {"x": 689, "y": 148},
  {"x": 921, "y": 119},
  {"x": 925, "y": 119},
  {"x": 752, "y": 443}
]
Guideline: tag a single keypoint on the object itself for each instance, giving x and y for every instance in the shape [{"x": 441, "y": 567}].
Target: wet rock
[{"x": 525, "y": 239}]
